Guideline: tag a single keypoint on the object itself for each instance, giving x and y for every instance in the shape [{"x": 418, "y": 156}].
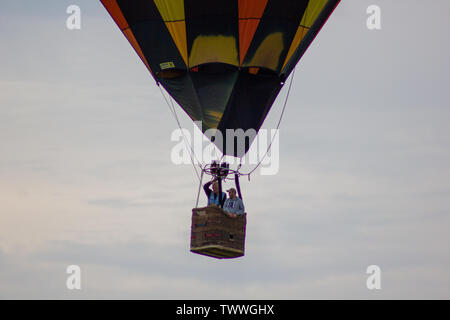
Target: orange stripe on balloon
[
  {"x": 130, "y": 36},
  {"x": 250, "y": 13},
  {"x": 113, "y": 8}
]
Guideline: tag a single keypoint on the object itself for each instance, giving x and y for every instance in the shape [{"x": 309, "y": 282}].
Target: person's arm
[
  {"x": 225, "y": 206},
  {"x": 207, "y": 189}
]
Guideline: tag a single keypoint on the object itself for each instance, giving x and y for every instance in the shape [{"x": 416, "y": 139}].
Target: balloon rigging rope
[
  {"x": 278, "y": 126},
  {"x": 191, "y": 151}
]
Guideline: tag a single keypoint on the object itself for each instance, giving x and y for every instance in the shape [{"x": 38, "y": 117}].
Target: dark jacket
[{"x": 212, "y": 197}]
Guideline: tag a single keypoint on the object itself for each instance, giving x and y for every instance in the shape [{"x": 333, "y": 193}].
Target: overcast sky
[{"x": 86, "y": 176}]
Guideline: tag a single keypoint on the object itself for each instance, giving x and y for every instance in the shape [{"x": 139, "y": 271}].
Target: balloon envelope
[{"x": 223, "y": 61}]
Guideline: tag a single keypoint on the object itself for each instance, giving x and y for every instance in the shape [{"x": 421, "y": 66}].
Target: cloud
[{"x": 119, "y": 203}]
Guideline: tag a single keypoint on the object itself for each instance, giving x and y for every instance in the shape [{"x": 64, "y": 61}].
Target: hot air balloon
[{"x": 223, "y": 61}]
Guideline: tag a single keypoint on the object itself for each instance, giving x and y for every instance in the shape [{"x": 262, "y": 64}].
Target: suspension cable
[
  {"x": 278, "y": 126},
  {"x": 199, "y": 188},
  {"x": 191, "y": 151}
]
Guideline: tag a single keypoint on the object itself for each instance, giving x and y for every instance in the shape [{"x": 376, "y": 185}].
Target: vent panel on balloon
[{"x": 216, "y": 235}]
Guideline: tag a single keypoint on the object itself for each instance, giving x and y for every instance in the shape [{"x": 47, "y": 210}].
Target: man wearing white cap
[{"x": 233, "y": 206}]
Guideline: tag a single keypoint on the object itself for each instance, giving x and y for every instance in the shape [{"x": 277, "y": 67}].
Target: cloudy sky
[{"x": 86, "y": 176}]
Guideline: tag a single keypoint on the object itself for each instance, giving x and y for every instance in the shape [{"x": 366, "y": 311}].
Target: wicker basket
[{"x": 216, "y": 235}]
